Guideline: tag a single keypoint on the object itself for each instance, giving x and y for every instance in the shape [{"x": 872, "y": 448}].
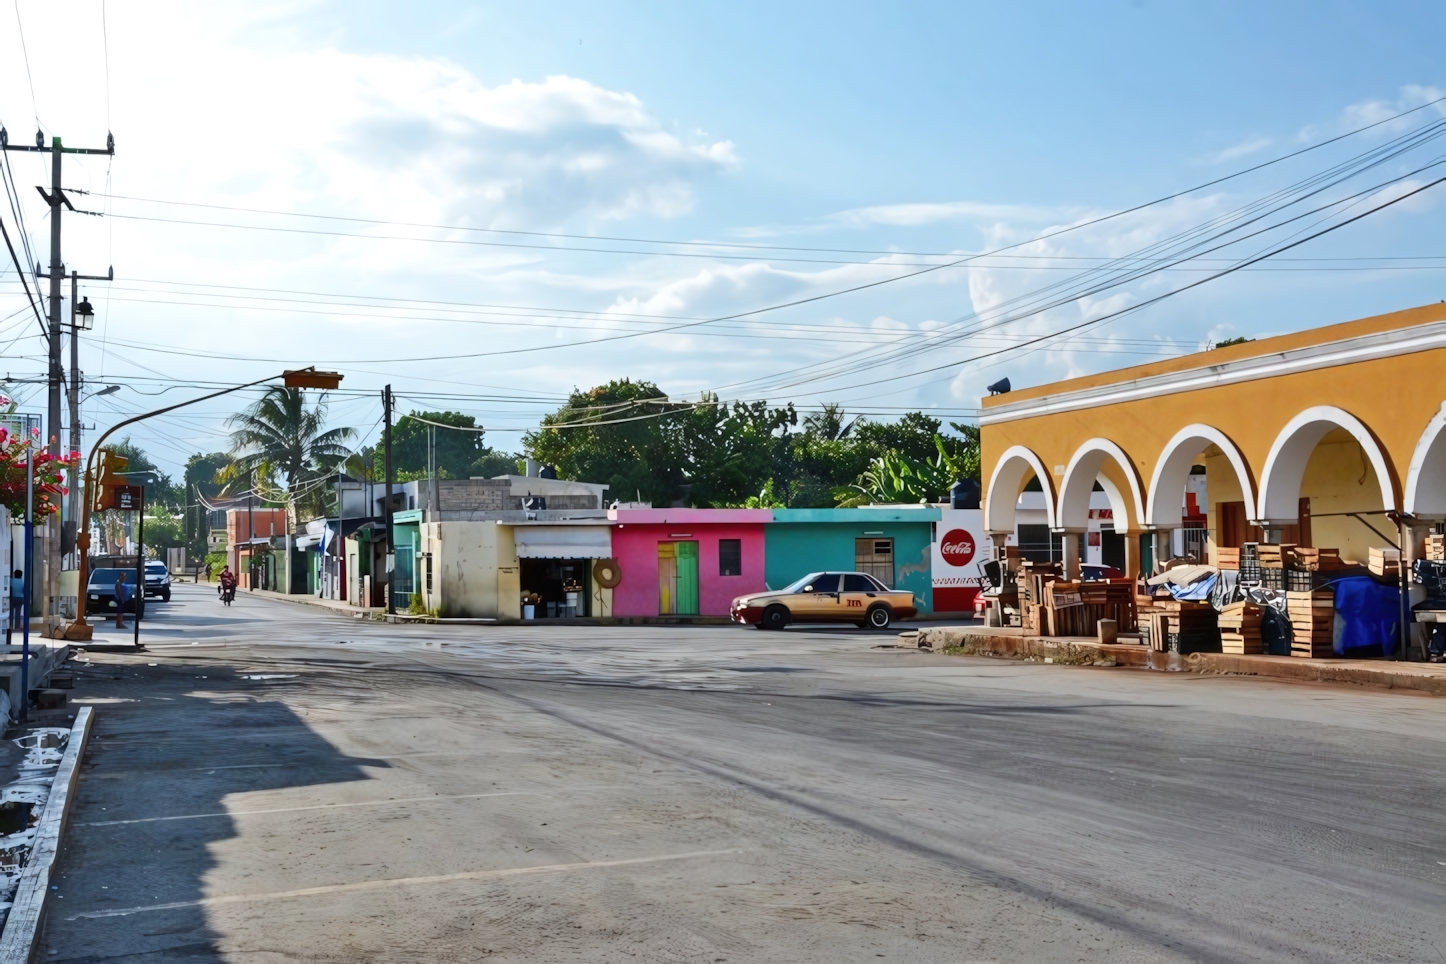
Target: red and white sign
[
  {"x": 957, "y": 547},
  {"x": 958, "y": 550}
]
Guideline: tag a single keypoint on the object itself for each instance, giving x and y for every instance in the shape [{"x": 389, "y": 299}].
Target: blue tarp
[
  {"x": 1368, "y": 616},
  {"x": 1195, "y": 592}
]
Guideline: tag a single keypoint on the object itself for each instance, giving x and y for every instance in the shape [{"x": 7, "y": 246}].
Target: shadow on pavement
[{"x": 182, "y": 739}]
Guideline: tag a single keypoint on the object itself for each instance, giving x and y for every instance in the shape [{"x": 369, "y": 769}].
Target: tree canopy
[
  {"x": 457, "y": 454},
  {"x": 644, "y": 445}
]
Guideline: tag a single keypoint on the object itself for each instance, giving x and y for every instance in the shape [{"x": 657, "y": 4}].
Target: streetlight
[
  {"x": 298, "y": 378},
  {"x": 108, "y": 390}
]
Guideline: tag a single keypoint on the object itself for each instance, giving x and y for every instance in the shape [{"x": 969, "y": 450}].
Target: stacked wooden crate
[
  {"x": 1075, "y": 608},
  {"x": 1240, "y": 629},
  {"x": 1312, "y": 622},
  {"x": 1223, "y": 557},
  {"x": 1185, "y": 627},
  {"x": 1436, "y": 547},
  {"x": 1272, "y": 555},
  {"x": 1385, "y": 562},
  {"x": 1315, "y": 560},
  {"x": 1033, "y": 577}
]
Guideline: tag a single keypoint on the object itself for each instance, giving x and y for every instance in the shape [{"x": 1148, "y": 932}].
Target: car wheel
[
  {"x": 166, "y": 596},
  {"x": 878, "y": 617},
  {"x": 774, "y": 617}
]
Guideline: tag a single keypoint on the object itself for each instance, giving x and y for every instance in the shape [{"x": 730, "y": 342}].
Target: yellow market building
[{"x": 1327, "y": 437}]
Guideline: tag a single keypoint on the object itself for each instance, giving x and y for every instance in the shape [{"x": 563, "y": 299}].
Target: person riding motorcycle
[{"x": 228, "y": 585}]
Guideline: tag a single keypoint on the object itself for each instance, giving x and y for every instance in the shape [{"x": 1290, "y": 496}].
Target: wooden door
[
  {"x": 686, "y": 559},
  {"x": 667, "y": 579}
]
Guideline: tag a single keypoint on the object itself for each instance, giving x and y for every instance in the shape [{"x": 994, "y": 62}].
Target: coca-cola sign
[{"x": 957, "y": 547}]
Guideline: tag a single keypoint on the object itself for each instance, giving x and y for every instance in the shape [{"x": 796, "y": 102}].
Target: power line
[
  {"x": 749, "y": 246},
  {"x": 25, "y": 52}
]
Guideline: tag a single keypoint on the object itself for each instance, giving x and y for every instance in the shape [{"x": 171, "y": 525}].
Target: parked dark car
[
  {"x": 100, "y": 591},
  {"x": 158, "y": 581}
]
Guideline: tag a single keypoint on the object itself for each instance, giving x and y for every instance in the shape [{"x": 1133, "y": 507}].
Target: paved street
[{"x": 303, "y": 786}]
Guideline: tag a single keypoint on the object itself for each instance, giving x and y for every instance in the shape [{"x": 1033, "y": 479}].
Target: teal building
[{"x": 892, "y": 543}]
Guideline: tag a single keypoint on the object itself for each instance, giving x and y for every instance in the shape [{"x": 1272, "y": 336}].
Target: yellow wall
[{"x": 1396, "y": 397}]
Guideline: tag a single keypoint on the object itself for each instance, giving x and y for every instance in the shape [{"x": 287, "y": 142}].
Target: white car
[{"x": 158, "y": 581}]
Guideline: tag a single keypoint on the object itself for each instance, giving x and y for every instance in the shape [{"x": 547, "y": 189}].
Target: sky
[{"x": 490, "y": 205}]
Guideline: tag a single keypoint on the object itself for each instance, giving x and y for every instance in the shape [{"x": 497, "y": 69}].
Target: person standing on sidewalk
[
  {"x": 122, "y": 594},
  {"x": 17, "y": 601}
]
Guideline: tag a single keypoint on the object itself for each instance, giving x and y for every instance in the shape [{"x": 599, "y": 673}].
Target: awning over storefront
[{"x": 563, "y": 542}]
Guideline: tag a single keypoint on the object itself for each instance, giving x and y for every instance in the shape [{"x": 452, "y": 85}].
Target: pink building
[{"x": 686, "y": 562}]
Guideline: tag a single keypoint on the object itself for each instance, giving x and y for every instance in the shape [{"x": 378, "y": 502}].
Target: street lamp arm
[{"x": 80, "y": 629}]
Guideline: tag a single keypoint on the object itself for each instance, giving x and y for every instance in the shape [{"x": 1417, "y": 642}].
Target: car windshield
[
  {"x": 156, "y": 568},
  {"x": 105, "y": 577},
  {"x": 807, "y": 580}
]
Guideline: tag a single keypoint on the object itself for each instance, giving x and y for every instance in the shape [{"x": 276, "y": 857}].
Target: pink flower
[{"x": 35, "y": 432}]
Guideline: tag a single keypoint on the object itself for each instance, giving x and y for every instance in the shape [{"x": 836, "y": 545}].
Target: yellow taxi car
[{"x": 826, "y": 597}]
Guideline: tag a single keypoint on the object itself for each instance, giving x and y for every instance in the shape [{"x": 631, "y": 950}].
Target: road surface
[{"x": 303, "y": 786}]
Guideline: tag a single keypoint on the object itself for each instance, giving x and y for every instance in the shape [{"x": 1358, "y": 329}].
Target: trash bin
[{"x": 529, "y": 611}]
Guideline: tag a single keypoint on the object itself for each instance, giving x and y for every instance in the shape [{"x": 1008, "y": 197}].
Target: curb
[
  {"x": 1018, "y": 646},
  {"x": 17, "y": 943}
]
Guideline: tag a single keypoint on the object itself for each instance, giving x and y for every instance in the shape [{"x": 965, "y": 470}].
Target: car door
[
  {"x": 818, "y": 600},
  {"x": 857, "y": 594}
]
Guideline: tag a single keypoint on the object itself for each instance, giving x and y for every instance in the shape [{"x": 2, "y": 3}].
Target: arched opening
[
  {"x": 1095, "y": 534},
  {"x": 1327, "y": 483},
  {"x": 1426, "y": 478},
  {"x": 1099, "y": 461},
  {"x": 1013, "y": 470},
  {"x": 1200, "y": 467}
]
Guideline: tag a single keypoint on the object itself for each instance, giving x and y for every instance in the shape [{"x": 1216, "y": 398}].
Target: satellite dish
[{"x": 999, "y": 387}]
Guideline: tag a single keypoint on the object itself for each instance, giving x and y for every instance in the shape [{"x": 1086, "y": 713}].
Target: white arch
[
  {"x": 1006, "y": 480},
  {"x": 1073, "y": 510},
  {"x": 1173, "y": 468},
  {"x": 1426, "y": 479},
  {"x": 1285, "y": 466}
]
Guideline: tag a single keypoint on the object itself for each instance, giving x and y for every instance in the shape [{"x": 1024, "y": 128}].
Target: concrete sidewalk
[{"x": 1011, "y": 643}]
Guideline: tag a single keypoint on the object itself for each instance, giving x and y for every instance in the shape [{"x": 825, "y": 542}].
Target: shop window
[
  {"x": 730, "y": 557},
  {"x": 876, "y": 558}
]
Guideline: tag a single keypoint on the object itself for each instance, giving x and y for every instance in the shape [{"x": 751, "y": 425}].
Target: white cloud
[
  {"x": 1244, "y": 149},
  {"x": 1377, "y": 110}
]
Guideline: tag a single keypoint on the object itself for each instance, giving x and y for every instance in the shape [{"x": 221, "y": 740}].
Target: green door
[{"x": 686, "y": 602}]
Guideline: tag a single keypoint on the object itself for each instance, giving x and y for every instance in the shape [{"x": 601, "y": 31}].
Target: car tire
[
  {"x": 165, "y": 595},
  {"x": 878, "y": 617},
  {"x": 774, "y": 617}
]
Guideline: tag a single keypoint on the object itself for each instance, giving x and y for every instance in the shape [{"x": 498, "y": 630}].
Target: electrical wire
[{"x": 632, "y": 240}]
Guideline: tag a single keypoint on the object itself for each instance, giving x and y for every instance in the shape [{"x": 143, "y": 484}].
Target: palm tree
[
  {"x": 280, "y": 438},
  {"x": 831, "y": 424}
]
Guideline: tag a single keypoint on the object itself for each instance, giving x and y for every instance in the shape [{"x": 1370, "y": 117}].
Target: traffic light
[{"x": 111, "y": 465}]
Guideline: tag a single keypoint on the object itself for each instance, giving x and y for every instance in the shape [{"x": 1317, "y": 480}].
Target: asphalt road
[{"x": 302, "y": 786}]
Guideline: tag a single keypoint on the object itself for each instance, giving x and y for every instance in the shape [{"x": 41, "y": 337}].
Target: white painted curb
[{"x": 17, "y": 943}]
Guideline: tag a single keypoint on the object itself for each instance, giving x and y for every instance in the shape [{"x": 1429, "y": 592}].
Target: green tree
[
  {"x": 281, "y": 440},
  {"x": 456, "y": 453},
  {"x": 203, "y": 477},
  {"x": 618, "y": 434},
  {"x": 157, "y": 485}
]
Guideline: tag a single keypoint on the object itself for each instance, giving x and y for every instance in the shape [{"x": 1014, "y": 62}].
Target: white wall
[{"x": 474, "y": 569}]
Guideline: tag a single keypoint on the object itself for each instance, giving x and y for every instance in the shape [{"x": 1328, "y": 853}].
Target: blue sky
[{"x": 933, "y": 128}]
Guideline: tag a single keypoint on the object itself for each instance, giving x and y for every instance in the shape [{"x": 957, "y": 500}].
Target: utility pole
[
  {"x": 391, "y": 564},
  {"x": 82, "y": 315},
  {"x": 56, "y": 199}
]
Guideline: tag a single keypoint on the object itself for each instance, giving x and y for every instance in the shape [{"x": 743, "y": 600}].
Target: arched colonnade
[{"x": 1271, "y": 492}]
